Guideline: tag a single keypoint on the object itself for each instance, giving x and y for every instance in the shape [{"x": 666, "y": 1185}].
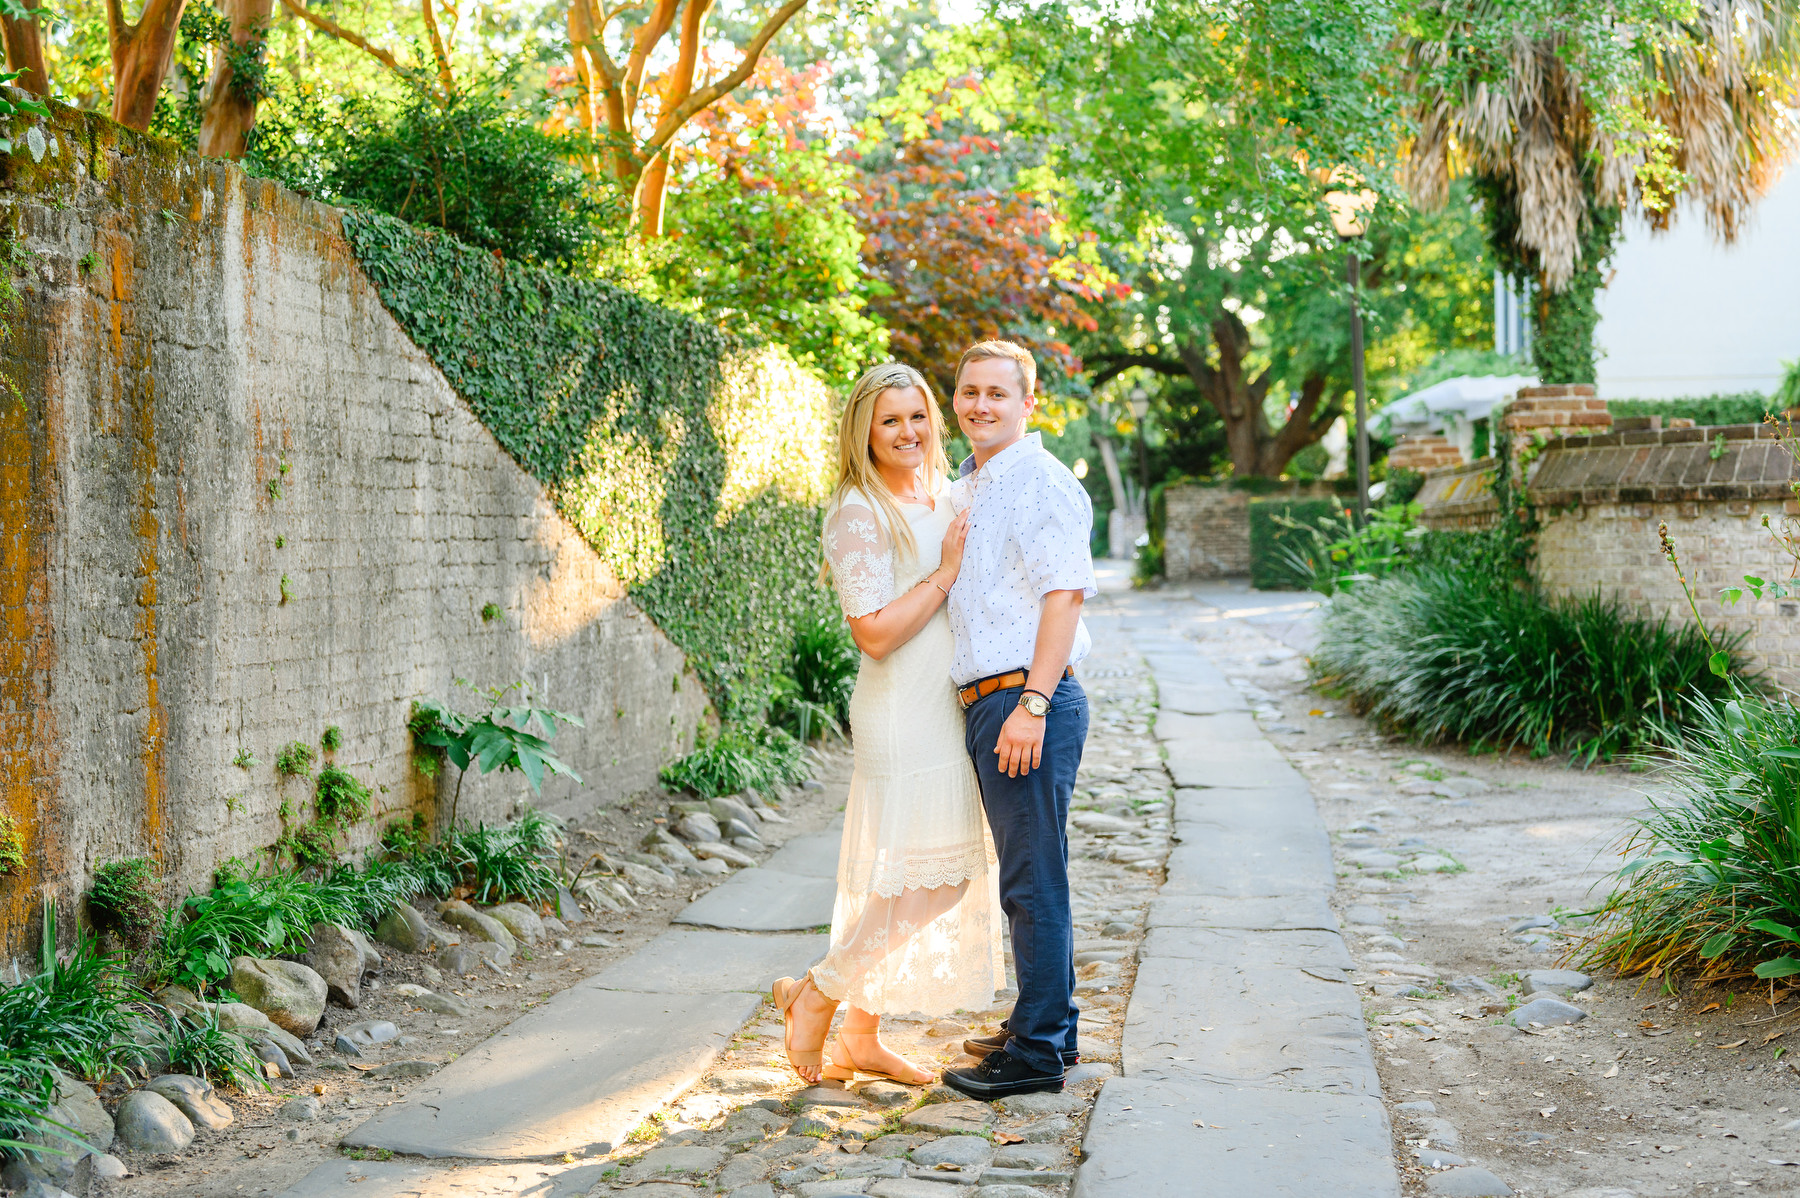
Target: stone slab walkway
[
  {"x": 1247, "y": 1067},
  {"x": 793, "y": 891}
]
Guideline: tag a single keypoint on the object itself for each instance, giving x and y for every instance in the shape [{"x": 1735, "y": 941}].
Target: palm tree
[{"x": 1568, "y": 113}]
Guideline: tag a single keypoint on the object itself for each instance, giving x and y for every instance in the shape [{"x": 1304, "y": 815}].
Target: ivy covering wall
[{"x": 695, "y": 464}]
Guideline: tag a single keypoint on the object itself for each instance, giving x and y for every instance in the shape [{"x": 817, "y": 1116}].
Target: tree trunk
[
  {"x": 1114, "y": 480},
  {"x": 25, "y": 54},
  {"x": 1255, "y": 448},
  {"x": 652, "y": 188},
  {"x": 140, "y": 58},
  {"x": 231, "y": 99},
  {"x": 1562, "y": 343}
]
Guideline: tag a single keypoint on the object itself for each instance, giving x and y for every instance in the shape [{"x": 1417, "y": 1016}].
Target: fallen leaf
[
  {"x": 1613, "y": 1072},
  {"x": 1733, "y": 1044},
  {"x": 1007, "y": 1137},
  {"x": 1711, "y": 1006},
  {"x": 1647, "y": 1023},
  {"x": 1547, "y": 1112},
  {"x": 1773, "y": 1036},
  {"x": 360, "y": 1068},
  {"x": 948, "y": 1167},
  {"x": 1316, "y": 711}
]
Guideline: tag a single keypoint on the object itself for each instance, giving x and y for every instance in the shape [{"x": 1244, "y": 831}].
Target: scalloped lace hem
[{"x": 889, "y": 879}]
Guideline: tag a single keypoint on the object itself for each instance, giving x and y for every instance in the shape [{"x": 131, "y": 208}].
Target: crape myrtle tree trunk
[
  {"x": 140, "y": 57},
  {"x": 237, "y": 80},
  {"x": 24, "y": 47}
]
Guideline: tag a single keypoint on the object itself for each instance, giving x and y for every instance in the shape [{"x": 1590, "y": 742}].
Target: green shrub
[
  {"x": 1713, "y": 883},
  {"x": 815, "y": 695},
  {"x": 740, "y": 758},
  {"x": 1745, "y": 407},
  {"x": 1276, "y": 525},
  {"x": 71, "y": 1013},
  {"x": 124, "y": 900},
  {"x": 260, "y": 916},
  {"x": 197, "y": 1046},
  {"x": 509, "y": 861},
  {"x": 693, "y": 463},
  {"x": 1446, "y": 655}
]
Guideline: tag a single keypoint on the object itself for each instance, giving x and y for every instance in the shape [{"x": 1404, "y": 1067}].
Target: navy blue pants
[{"x": 1029, "y": 816}]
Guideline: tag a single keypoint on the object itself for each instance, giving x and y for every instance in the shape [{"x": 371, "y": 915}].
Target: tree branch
[
  {"x": 328, "y": 26},
  {"x": 648, "y": 34},
  {"x": 1116, "y": 364},
  {"x": 446, "y": 78},
  {"x": 671, "y": 122}
]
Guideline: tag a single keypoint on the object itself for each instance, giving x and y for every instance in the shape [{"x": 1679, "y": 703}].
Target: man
[{"x": 1015, "y": 610}]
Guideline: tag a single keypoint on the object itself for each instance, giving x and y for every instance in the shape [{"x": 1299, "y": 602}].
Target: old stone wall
[
  {"x": 1207, "y": 534},
  {"x": 237, "y": 506}
]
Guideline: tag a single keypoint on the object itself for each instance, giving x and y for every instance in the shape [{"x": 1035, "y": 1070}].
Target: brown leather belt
[{"x": 981, "y": 688}]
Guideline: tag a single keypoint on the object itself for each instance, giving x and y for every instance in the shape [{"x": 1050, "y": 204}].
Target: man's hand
[{"x": 1021, "y": 743}]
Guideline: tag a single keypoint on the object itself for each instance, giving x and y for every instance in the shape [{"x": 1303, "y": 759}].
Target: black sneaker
[
  {"x": 981, "y": 1046},
  {"x": 999, "y": 1075}
]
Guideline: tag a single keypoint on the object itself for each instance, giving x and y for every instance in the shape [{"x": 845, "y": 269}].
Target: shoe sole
[{"x": 977, "y": 1049}]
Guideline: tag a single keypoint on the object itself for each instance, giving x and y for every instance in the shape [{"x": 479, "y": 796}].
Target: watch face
[{"x": 1036, "y": 704}]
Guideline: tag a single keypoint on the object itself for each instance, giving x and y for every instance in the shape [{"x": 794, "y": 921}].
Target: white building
[{"x": 1684, "y": 315}]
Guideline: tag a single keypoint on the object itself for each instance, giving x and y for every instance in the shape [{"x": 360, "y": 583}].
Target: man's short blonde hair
[{"x": 1017, "y": 354}]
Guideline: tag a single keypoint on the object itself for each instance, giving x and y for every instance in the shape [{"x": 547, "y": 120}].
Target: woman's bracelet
[{"x": 940, "y": 586}]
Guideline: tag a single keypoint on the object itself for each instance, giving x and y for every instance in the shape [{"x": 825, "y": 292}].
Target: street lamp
[
  {"x": 1140, "y": 408},
  {"x": 1350, "y": 217}
]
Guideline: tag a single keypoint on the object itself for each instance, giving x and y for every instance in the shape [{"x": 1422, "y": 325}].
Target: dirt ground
[
  {"x": 1656, "y": 1092},
  {"x": 260, "y": 1152}
]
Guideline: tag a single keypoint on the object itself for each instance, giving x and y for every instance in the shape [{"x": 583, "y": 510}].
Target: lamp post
[
  {"x": 1140, "y": 408},
  {"x": 1350, "y": 217}
]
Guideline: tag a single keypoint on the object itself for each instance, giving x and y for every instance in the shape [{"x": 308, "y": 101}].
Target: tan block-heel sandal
[
  {"x": 844, "y": 1073},
  {"x": 784, "y": 992}
]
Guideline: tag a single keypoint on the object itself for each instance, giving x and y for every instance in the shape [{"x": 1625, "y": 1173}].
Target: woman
[{"x": 917, "y": 921}]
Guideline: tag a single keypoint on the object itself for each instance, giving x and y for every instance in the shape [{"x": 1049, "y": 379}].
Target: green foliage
[
  {"x": 1747, "y": 407},
  {"x": 499, "y": 739},
  {"x": 333, "y": 739},
  {"x": 491, "y": 612},
  {"x": 815, "y": 694},
  {"x": 341, "y": 799},
  {"x": 1713, "y": 881},
  {"x": 71, "y": 1013},
  {"x": 14, "y": 105},
  {"x": 12, "y": 847},
  {"x": 295, "y": 760},
  {"x": 692, "y": 462},
  {"x": 124, "y": 899},
  {"x": 27, "y": 1090},
  {"x": 197, "y": 1046},
  {"x": 740, "y": 757},
  {"x": 1787, "y": 391},
  {"x": 1333, "y": 555},
  {"x": 1446, "y": 654},
  {"x": 1281, "y": 528},
  {"x": 477, "y": 166},
  {"x": 261, "y": 916},
  {"x": 508, "y": 862},
  {"x": 1403, "y": 486}
]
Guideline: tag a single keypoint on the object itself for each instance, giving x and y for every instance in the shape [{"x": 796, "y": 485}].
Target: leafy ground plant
[
  {"x": 74, "y": 1013},
  {"x": 741, "y": 757},
  {"x": 123, "y": 899},
  {"x": 1444, "y": 654},
  {"x": 815, "y": 696},
  {"x": 498, "y": 739},
  {"x": 27, "y": 1089},
  {"x": 197, "y": 1046},
  {"x": 1713, "y": 880}
]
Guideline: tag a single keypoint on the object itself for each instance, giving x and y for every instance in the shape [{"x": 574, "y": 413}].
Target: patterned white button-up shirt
[{"x": 1028, "y": 536}]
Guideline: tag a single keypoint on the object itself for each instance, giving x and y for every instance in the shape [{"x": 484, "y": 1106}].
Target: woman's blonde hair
[{"x": 856, "y": 461}]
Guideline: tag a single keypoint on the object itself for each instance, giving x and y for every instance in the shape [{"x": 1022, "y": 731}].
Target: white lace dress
[{"x": 917, "y": 923}]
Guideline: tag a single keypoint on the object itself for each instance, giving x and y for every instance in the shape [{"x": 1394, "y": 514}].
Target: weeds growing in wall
[{"x": 694, "y": 464}]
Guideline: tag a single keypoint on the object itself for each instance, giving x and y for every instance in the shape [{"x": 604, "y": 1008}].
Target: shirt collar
[{"x": 1013, "y": 454}]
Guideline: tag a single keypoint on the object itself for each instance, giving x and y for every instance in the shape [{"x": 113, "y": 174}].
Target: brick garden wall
[
  {"x": 1207, "y": 534},
  {"x": 238, "y": 505}
]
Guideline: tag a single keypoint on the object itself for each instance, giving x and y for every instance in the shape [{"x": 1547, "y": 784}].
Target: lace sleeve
[{"x": 862, "y": 559}]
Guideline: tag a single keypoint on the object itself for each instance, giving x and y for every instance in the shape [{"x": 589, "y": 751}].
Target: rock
[
  {"x": 1010, "y": 1189},
  {"x": 178, "y": 999},
  {"x": 304, "y": 1109},
  {"x": 567, "y": 909},
  {"x": 712, "y": 867},
  {"x": 1546, "y": 1012},
  {"x": 886, "y": 1094},
  {"x": 1362, "y": 913},
  {"x": 1467, "y": 1182},
  {"x": 1473, "y": 987},
  {"x": 969, "y": 1152},
  {"x": 109, "y": 1167},
  {"x": 595, "y": 940},
  {"x": 947, "y": 1027},
  {"x": 743, "y": 1170},
  {"x": 736, "y": 829},
  {"x": 760, "y": 1190},
  {"x": 369, "y": 1033},
  {"x": 241, "y": 1017},
  {"x": 1041, "y": 1104},
  {"x": 405, "y": 929},
  {"x": 554, "y": 926},
  {"x": 78, "y": 1109},
  {"x": 949, "y": 1118},
  {"x": 1433, "y": 863},
  {"x": 340, "y": 956},
  {"x": 194, "y": 1098},
  {"x": 395, "y": 1069},
  {"x": 1531, "y": 921},
  {"x": 827, "y": 1094},
  {"x": 815, "y": 1121},
  {"x": 866, "y": 1126},
  {"x": 1088, "y": 1071},
  {"x": 1437, "y": 1158},
  {"x": 1560, "y": 982},
  {"x": 520, "y": 920},
  {"x": 731, "y": 808},
  {"x": 464, "y": 959},
  {"x": 1440, "y": 1132},
  {"x": 715, "y": 851},
  {"x": 1373, "y": 859},
  {"x": 269, "y": 1053},
  {"x": 148, "y": 1122},
  {"x": 908, "y": 1187},
  {"x": 1031, "y": 1156},
  {"x": 1599, "y": 1192},
  {"x": 1419, "y": 1107},
  {"x": 290, "y": 994},
  {"x": 346, "y": 1046},
  {"x": 1049, "y": 1128},
  {"x": 645, "y": 878},
  {"x": 672, "y": 851},
  {"x": 682, "y": 1158},
  {"x": 431, "y": 1000},
  {"x": 459, "y": 914},
  {"x": 696, "y": 828}
]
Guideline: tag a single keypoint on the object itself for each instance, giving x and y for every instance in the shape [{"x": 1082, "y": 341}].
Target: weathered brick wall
[
  {"x": 1423, "y": 451},
  {"x": 238, "y": 505},
  {"x": 1207, "y": 534}
]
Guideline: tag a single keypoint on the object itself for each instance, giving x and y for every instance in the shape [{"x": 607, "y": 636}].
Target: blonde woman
[{"x": 917, "y": 920}]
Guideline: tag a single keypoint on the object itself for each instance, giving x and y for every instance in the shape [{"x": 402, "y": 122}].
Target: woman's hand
[{"x": 954, "y": 538}]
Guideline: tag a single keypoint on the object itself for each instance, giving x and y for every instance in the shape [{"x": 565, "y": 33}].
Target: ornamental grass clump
[
  {"x": 1713, "y": 881},
  {"x": 742, "y": 757},
  {"x": 73, "y": 1013},
  {"x": 1444, "y": 654}
]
